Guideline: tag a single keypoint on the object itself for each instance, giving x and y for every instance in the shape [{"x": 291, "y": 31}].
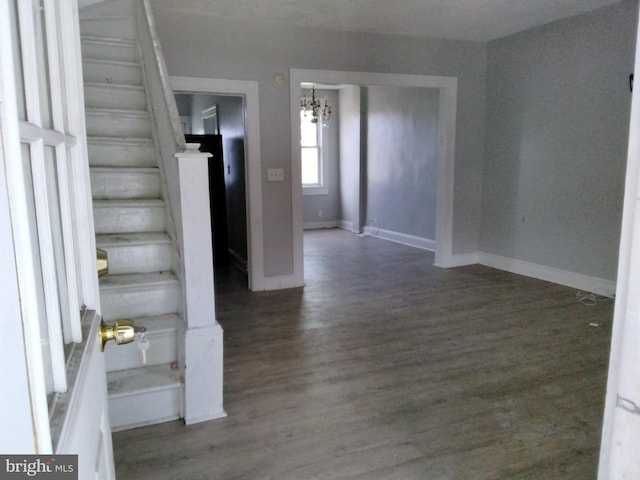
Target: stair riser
[
  {"x": 105, "y": 96},
  {"x": 118, "y": 125},
  {"x": 106, "y": 51},
  {"x": 138, "y": 302},
  {"x": 129, "y": 219},
  {"x": 146, "y": 408},
  {"x": 121, "y": 155},
  {"x": 162, "y": 350},
  {"x": 108, "y": 27},
  {"x": 139, "y": 259},
  {"x": 122, "y": 185},
  {"x": 121, "y": 74}
]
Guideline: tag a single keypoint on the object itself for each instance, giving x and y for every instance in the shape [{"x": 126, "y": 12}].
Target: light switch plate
[{"x": 275, "y": 175}]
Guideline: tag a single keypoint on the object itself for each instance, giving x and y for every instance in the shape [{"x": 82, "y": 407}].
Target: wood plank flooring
[{"x": 385, "y": 367}]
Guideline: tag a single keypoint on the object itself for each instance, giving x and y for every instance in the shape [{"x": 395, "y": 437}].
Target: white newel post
[{"x": 202, "y": 334}]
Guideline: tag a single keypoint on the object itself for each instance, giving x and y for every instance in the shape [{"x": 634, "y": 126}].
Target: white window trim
[
  {"x": 321, "y": 188},
  {"x": 44, "y": 235},
  {"x": 25, "y": 263}
]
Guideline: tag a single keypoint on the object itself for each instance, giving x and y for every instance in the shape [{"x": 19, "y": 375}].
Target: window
[
  {"x": 311, "y": 156},
  {"x": 310, "y": 152}
]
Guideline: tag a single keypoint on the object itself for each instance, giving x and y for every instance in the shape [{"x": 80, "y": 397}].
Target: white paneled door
[
  {"x": 52, "y": 372},
  {"x": 619, "y": 457}
]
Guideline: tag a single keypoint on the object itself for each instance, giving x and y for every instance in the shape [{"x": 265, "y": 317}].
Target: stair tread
[
  {"x": 107, "y": 61},
  {"x": 122, "y": 42},
  {"x": 134, "y": 112},
  {"x": 121, "y": 239},
  {"x": 131, "y": 280},
  {"x": 133, "y": 203},
  {"x": 124, "y": 170},
  {"x": 85, "y": 17},
  {"x": 144, "y": 379},
  {"x": 120, "y": 86},
  {"x": 100, "y": 140}
]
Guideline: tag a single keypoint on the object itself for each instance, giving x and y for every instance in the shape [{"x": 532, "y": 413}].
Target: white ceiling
[{"x": 480, "y": 20}]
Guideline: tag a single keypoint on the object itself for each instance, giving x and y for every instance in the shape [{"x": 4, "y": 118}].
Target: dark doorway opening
[{"x": 217, "y": 195}]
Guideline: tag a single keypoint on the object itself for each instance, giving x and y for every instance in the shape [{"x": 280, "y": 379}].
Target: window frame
[
  {"x": 320, "y": 188},
  {"x": 57, "y": 292}
]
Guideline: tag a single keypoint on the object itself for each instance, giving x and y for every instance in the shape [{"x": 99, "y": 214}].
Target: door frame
[
  {"x": 448, "y": 89},
  {"x": 253, "y": 178}
]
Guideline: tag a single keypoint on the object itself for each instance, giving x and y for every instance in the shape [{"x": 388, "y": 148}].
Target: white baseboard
[
  {"x": 281, "y": 282},
  {"x": 578, "y": 281},
  {"x": 206, "y": 418},
  {"x": 316, "y": 225},
  {"x": 403, "y": 238},
  {"x": 345, "y": 225},
  {"x": 459, "y": 260}
]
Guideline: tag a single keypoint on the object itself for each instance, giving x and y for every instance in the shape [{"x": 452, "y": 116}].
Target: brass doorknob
[
  {"x": 121, "y": 331},
  {"x": 102, "y": 261}
]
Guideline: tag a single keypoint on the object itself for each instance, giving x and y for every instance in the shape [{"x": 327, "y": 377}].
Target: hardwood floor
[{"x": 385, "y": 367}]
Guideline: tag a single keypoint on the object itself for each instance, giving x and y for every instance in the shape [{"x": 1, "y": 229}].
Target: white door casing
[
  {"x": 248, "y": 90},
  {"x": 448, "y": 89},
  {"x": 47, "y": 243}
]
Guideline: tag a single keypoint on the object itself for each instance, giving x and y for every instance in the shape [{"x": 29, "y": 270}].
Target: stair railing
[
  {"x": 164, "y": 111},
  {"x": 185, "y": 171}
]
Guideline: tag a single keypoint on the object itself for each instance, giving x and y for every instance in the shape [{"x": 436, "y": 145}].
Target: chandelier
[{"x": 315, "y": 107}]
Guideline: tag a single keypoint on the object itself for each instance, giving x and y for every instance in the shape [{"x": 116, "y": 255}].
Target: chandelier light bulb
[{"x": 315, "y": 107}]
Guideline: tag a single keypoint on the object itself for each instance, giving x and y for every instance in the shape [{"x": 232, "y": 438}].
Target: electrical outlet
[{"x": 275, "y": 175}]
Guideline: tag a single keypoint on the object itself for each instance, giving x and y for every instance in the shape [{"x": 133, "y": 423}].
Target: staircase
[{"x": 131, "y": 221}]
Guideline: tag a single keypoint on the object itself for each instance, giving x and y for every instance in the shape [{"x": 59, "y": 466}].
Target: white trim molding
[
  {"x": 318, "y": 225},
  {"x": 346, "y": 225},
  {"x": 578, "y": 281},
  {"x": 448, "y": 89},
  {"x": 461, "y": 260},
  {"x": 281, "y": 282},
  {"x": 403, "y": 238},
  {"x": 249, "y": 91}
]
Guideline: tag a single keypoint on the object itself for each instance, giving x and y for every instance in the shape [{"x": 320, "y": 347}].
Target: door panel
[
  {"x": 85, "y": 429},
  {"x": 48, "y": 247}
]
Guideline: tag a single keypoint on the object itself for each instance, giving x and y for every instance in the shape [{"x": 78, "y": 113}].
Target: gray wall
[
  {"x": 206, "y": 46},
  {"x": 558, "y": 108},
  {"x": 183, "y": 102},
  {"x": 402, "y": 155},
  {"x": 328, "y": 204}
]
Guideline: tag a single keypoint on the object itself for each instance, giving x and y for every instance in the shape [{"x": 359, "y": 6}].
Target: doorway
[
  {"x": 381, "y": 140},
  {"x": 447, "y": 94},
  {"x": 217, "y": 123},
  {"x": 246, "y": 93}
]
